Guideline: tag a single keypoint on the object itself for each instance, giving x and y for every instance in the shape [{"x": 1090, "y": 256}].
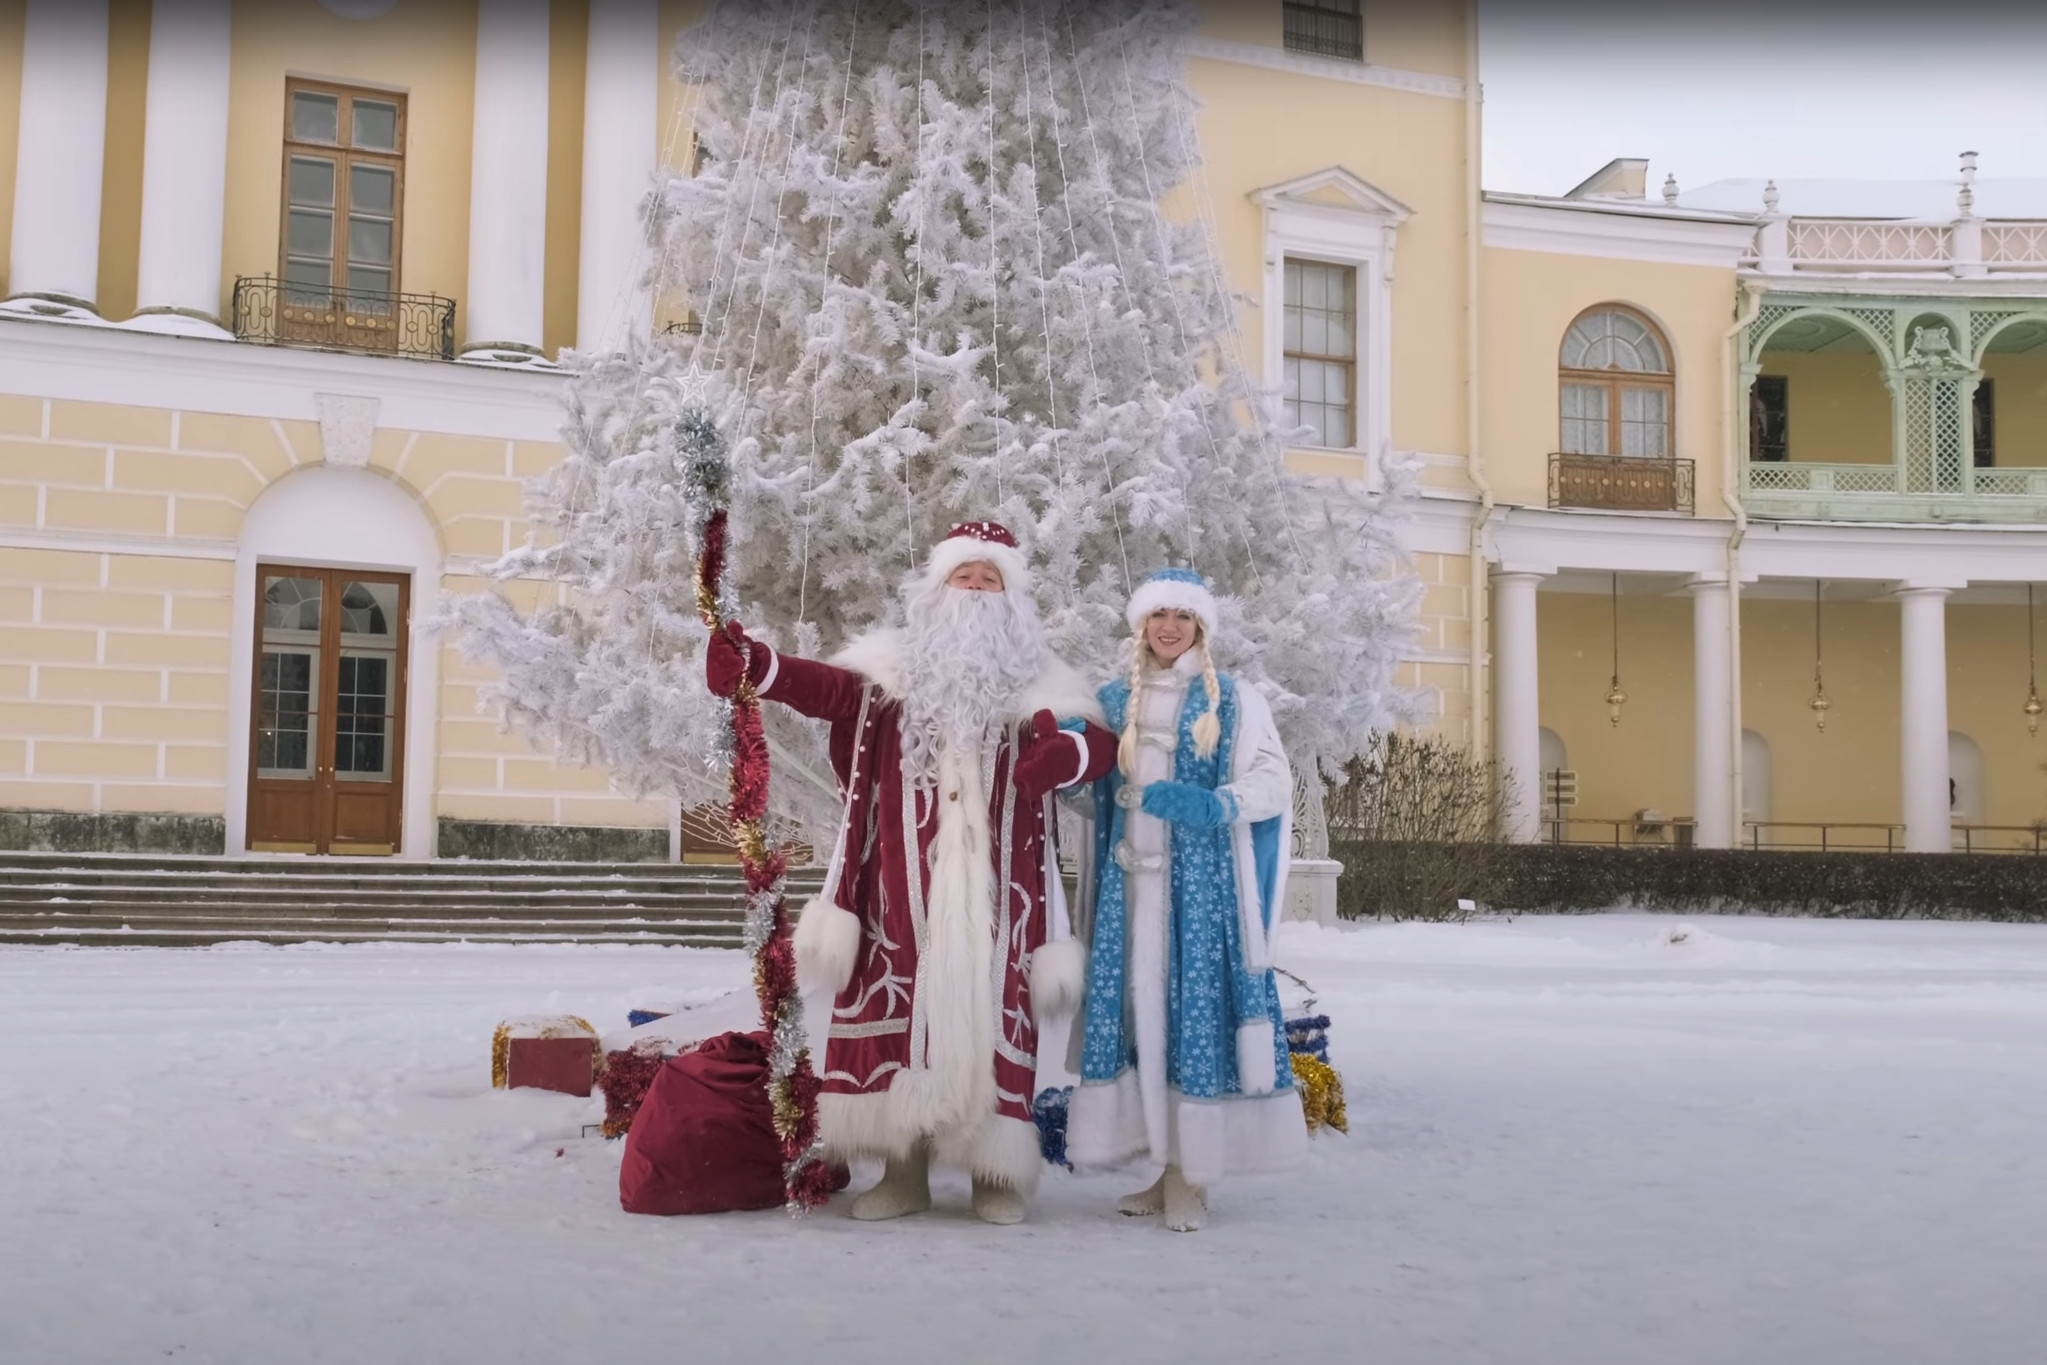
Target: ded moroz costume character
[
  {"x": 948, "y": 736},
  {"x": 1183, "y": 1055}
]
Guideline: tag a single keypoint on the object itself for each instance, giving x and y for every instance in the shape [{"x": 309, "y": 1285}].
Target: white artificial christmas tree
[{"x": 936, "y": 282}]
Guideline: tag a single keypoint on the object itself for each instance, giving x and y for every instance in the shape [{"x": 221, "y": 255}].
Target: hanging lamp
[
  {"x": 1819, "y": 702},
  {"x": 2033, "y": 706},
  {"x": 1616, "y": 698}
]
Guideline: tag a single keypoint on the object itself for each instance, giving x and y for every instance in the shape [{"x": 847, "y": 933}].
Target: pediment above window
[{"x": 1335, "y": 189}]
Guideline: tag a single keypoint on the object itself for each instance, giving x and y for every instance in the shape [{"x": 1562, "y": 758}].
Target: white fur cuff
[
  {"x": 1255, "y": 1058},
  {"x": 1059, "y": 978},
  {"x": 827, "y": 945}
]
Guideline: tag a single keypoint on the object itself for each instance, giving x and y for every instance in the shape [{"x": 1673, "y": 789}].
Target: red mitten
[
  {"x": 1049, "y": 759},
  {"x": 726, "y": 659}
]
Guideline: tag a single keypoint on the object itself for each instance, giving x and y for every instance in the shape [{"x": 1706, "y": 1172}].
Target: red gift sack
[{"x": 703, "y": 1140}]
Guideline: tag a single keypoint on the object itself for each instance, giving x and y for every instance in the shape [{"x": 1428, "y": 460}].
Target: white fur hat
[
  {"x": 984, "y": 540},
  {"x": 1168, "y": 589}
]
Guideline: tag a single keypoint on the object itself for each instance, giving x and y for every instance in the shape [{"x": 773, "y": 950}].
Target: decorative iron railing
[
  {"x": 1620, "y": 483},
  {"x": 1632, "y": 832},
  {"x": 272, "y": 312},
  {"x": 1806, "y": 836}
]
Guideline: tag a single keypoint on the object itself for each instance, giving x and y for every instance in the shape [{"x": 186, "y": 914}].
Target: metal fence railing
[
  {"x": 278, "y": 312},
  {"x": 1621, "y": 483}
]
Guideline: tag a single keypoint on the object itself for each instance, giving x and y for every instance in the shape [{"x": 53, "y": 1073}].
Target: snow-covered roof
[{"x": 1929, "y": 199}]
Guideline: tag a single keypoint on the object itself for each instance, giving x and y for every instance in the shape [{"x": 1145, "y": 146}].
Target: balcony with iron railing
[
  {"x": 274, "y": 312},
  {"x": 1620, "y": 483}
]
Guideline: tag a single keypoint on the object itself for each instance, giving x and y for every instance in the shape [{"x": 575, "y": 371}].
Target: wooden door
[{"x": 327, "y": 723}]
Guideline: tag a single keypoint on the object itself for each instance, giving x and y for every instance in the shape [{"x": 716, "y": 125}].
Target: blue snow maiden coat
[{"x": 1183, "y": 1054}]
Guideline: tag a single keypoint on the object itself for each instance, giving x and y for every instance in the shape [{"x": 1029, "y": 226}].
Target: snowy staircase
[{"x": 144, "y": 900}]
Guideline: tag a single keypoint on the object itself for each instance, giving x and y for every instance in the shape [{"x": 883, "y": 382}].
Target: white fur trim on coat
[
  {"x": 827, "y": 945},
  {"x": 1257, "y": 1057},
  {"x": 1209, "y": 1139},
  {"x": 953, "y": 551},
  {"x": 1162, "y": 594},
  {"x": 877, "y": 656},
  {"x": 1002, "y": 1151},
  {"x": 1058, "y": 979}
]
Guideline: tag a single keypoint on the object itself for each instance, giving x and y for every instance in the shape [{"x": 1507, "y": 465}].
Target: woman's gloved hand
[{"x": 1183, "y": 803}]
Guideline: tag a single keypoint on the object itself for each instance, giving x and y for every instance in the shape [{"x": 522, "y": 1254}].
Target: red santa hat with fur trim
[{"x": 985, "y": 540}]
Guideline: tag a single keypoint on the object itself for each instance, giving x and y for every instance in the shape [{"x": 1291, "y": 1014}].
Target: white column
[
  {"x": 1922, "y": 615},
  {"x": 1517, "y": 715},
  {"x": 61, "y": 156},
  {"x": 621, "y": 107},
  {"x": 508, "y": 183},
  {"x": 1713, "y": 797},
  {"x": 184, "y": 169}
]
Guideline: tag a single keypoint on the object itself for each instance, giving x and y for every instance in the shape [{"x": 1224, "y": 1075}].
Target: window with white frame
[
  {"x": 1326, "y": 314},
  {"x": 1321, "y": 351},
  {"x": 1614, "y": 387}
]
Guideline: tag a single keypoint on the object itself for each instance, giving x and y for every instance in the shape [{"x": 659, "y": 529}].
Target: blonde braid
[
  {"x": 1208, "y": 731},
  {"x": 1126, "y": 745}
]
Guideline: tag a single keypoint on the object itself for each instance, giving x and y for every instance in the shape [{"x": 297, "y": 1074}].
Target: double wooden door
[{"x": 327, "y": 741}]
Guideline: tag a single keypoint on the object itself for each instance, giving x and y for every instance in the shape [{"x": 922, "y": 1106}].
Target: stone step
[
  {"x": 271, "y": 913},
  {"x": 200, "y": 938},
  {"x": 392, "y": 896},
  {"x": 484, "y": 922},
  {"x": 356, "y": 865},
  {"x": 140, "y": 900}
]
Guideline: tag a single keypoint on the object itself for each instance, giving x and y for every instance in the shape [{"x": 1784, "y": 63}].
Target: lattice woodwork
[
  {"x": 1918, "y": 434},
  {"x": 2004, "y": 483},
  {"x": 1873, "y": 478},
  {"x": 1780, "y": 478},
  {"x": 1882, "y": 321},
  {"x": 1845, "y": 241},
  {"x": 1983, "y": 322},
  {"x": 1768, "y": 316},
  {"x": 2015, "y": 243}
]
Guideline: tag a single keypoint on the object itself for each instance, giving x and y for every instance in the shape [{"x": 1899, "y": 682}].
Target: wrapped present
[
  {"x": 544, "y": 1052},
  {"x": 1048, "y": 1111},
  {"x": 1308, "y": 1036}
]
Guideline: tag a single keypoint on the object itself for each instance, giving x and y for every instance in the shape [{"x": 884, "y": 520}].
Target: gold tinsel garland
[{"x": 1321, "y": 1093}]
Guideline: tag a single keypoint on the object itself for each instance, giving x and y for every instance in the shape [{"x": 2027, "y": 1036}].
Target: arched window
[{"x": 1615, "y": 386}]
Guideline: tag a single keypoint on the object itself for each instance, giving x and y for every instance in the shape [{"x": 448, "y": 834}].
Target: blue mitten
[{"x": 1183, "y": 803}]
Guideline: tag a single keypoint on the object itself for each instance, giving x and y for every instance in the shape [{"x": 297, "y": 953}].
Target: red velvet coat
[{"x": 933, "y": 1034}]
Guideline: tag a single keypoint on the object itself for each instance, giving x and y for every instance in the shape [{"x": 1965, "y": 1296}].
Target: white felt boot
[
  {"x": 905, "y": 1188},
  {"x": 1186, "y": 1205},
  {"x": 1145, "y": 1202},
  {"x": 997, "y": 1204}
]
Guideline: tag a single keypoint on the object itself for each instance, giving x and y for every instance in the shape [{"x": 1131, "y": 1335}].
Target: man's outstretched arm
[{"x": 820, "y": 691}]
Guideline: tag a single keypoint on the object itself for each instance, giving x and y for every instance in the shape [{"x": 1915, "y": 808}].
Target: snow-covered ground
[{"x": 1573, "y": 1140}]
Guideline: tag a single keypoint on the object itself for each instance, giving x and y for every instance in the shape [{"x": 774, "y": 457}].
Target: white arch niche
[{"x": 329, "y": 517}]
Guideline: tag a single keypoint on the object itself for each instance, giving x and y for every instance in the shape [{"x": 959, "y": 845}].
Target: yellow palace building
[{"x": 1721, "y": 452}]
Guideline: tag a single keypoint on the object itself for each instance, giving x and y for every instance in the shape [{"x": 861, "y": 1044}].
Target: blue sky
[{"x": 1745, "y": 90}]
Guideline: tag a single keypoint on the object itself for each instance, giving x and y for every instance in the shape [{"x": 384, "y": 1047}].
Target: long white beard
[{"x": 968, "y": 659}]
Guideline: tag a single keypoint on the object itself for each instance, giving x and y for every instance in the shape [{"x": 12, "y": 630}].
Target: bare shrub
[{"x": 1415, "y": 821}]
